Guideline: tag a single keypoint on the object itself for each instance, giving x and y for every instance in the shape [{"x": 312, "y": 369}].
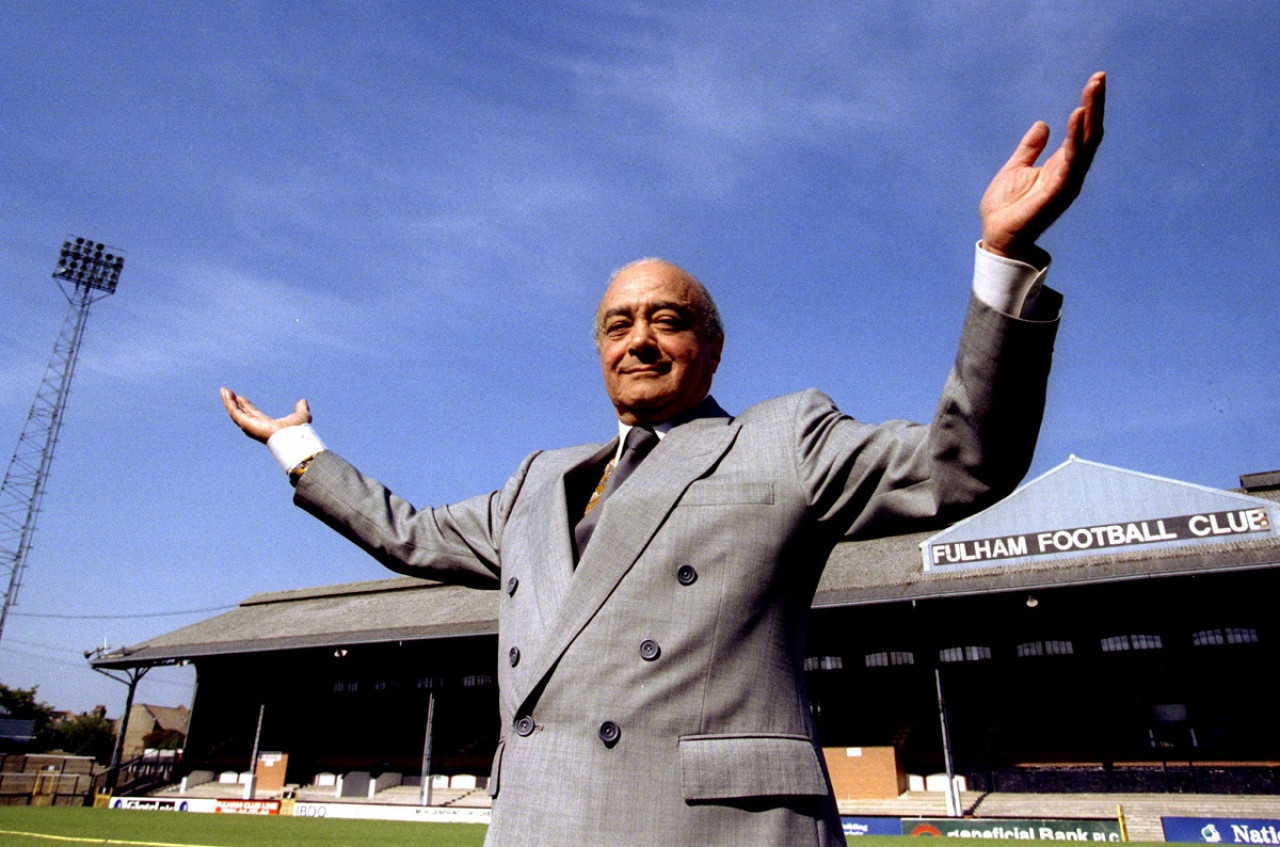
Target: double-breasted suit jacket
[{"x": 654, "y": 692}]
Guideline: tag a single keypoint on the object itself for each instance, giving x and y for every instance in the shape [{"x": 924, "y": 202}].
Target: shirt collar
[
  {"x": 660, "y": 430},
  {"x": 708, "y": 406}
]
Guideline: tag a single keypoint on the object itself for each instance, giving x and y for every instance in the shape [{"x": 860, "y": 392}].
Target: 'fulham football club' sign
[{"x": 1085, "y": 509}]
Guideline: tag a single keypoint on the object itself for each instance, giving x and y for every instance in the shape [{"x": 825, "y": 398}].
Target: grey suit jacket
[{"x": 655, "y": 694}]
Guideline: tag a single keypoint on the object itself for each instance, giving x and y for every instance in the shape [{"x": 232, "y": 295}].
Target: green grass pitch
[{"x": 27, "y": 826}]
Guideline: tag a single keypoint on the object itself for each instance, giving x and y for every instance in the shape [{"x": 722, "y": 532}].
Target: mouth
[{"x": 660, "y": 369}]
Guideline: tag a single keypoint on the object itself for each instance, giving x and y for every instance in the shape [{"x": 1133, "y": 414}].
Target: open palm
[
  {"x": 257, "y": 425},
  {"x": 1023, "y": 200}
]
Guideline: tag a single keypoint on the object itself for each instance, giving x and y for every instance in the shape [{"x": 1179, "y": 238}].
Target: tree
[
  {"x": 21, "y": 704},
  {"x": 89, "y": 734},
  {"x": 164, "y": 739}
]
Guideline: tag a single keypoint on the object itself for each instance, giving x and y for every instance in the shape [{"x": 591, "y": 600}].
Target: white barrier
[
  {"x": 354, "y": 811},
  {"x": 382, "y": 782}
]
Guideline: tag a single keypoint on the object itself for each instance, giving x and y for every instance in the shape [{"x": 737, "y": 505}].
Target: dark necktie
[{"x": 640, "y": 440}]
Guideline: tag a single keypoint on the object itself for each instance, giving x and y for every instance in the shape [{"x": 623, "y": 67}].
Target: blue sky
[{"x": 406, "y": 213}]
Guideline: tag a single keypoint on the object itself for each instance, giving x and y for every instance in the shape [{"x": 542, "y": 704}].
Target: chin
[
  {"x": 647, "y": 403},
  {"x": 645, "y": 414}
]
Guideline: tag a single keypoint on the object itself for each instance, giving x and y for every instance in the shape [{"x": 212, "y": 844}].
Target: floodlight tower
[{"x": 86, "y": 273}]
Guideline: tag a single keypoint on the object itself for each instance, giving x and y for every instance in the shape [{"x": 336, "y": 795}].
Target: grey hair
[{"x": 706, "y": 314}]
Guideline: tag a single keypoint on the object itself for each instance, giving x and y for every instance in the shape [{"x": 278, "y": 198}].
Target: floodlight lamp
[
  {"x": 87, "y": 264},
  {"x": 1032, "y": 602}
]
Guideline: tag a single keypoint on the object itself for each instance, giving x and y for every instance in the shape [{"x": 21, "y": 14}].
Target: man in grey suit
[{"x": 650, "y": 654}]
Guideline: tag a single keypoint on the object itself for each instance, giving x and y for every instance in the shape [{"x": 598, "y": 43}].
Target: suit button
[
  {"x": 649, "y": 650},
  {"x": 686, "y": 575},
  {"x": 512, "y": 585},
  {"x": 609, "y": 733},
  {"x": 524, "y": 726},
  {"x": 514, "y": 656}
]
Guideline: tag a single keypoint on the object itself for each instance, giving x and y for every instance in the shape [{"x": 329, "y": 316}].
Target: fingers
[
  {"x": 1084, "y": 126},
  {"x": 1031, "y": 146},
  {"x": 1093, "y": 100},
  {"x": 1084, "y": 130},
  {"x": 242, "y": 413},
  {"x": 254, "y": 423},
  {"x": 235, "y": 405},
  {"x": 1073, "y": 142}
]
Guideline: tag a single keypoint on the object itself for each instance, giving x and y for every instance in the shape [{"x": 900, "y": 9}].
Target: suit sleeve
[
  {"x": 864, "y": 481},
  {"x": 460, "y": 543}
]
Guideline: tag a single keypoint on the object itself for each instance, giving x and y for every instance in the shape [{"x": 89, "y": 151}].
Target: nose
[{"x": 641, "y": 342}]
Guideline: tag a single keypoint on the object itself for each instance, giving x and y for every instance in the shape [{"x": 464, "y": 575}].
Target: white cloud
[{"x": 211, "y": 315}]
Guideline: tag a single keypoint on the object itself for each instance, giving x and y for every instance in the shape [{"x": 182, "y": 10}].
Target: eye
[
  {"x": 672, "y": 321},
  {"x": 617, "y": 327}
]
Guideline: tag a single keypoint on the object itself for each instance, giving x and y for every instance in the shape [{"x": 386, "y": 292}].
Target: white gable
[{"x": 1082, "y": 508}]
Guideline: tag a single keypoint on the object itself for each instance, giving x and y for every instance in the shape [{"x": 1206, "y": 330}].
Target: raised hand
[
  {"x": 254, "y": 423},
  {"x": 1024, "y": 200}
]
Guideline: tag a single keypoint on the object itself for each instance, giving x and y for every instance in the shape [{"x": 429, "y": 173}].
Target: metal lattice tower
[{"x": 87, "y": 272}]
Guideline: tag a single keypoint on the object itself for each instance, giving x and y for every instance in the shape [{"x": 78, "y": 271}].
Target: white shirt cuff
[
  {"x": 294, "y": 444},
  {"x": 1006, "y": 285}
]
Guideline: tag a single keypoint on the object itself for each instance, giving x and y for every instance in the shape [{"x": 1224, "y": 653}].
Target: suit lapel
[
  {"x": 553, "y": 536},
  {"x": 631, "y": 518}
]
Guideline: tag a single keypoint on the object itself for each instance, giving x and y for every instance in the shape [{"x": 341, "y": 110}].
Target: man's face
[{"x": 656, "y": 358}]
